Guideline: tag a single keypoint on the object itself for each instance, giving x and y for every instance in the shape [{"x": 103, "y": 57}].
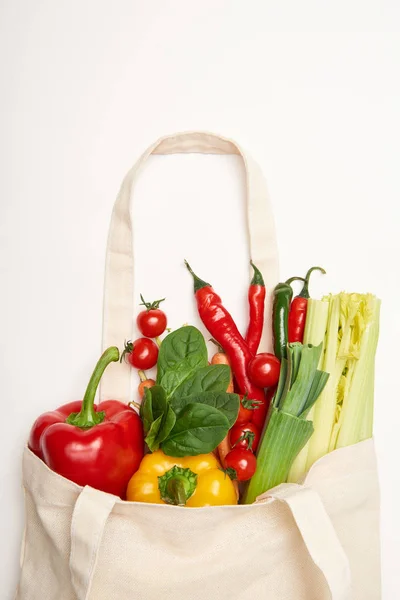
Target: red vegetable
[
  {"x": 244, "y": 435},
  {"x": 224, "y": 330},
  {"x": 101, "y": 446},
  {"x": 257, "y": 306},
  {"x": 151, "y": 322},
  {"x": 241, "y": 464},
  {"x": 144, "y": 383},
  {"x": 246, "y": 409},
  {"x": 298, "y": 310},
  {"x": 264, "y": 370},
  {"x": 142, "y": 353}
]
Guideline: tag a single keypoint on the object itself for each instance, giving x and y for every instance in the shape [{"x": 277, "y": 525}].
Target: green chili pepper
[{"x": 283, "y": 294}]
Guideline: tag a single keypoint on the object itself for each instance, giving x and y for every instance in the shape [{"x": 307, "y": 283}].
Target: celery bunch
[
  {"x": 343, "y": 415},
  {"x": 288, "y": 430}
]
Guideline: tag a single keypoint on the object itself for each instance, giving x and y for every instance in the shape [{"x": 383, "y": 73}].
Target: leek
[
  {"x": 314, "y": 333},
  {"x": 288, "y": 429}
]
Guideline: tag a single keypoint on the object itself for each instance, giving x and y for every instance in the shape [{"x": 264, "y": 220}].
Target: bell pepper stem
[
  {"x": 88, "y": 416},
  {"x": 177, "y": 485},
  {"x": 176, "y": 489}
]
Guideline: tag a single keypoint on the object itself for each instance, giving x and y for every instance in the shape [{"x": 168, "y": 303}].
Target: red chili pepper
[
  {"x": 98, "y": 446},
  {"x": 256, "y": 305},
  {"x": 298, "y": 310},
  {"x": 222, "y": 327}
]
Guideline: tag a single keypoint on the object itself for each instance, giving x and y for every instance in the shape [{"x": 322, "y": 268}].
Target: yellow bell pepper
[{"x": 189, "y": 481}]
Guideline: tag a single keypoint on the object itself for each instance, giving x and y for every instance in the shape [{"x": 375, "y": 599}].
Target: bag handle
[
  {"x": 118, "y": 309},
  {"x": 89, "y": 519},
  {"x": 318, "y": 533}
]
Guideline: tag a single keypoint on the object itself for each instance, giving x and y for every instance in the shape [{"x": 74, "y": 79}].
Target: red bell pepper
[{"x": 101, "y": 446}]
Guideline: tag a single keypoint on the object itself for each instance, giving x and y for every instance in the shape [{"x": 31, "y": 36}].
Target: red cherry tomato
[
  {"x": 243, "y": 462},
  {"x": 264, "y": 369},
  {"x": 246, "y": 409},
  {"x": 244, "y": 435},
  {"x": 142, "y": 353},
  {"x": 151, "y": 322}
]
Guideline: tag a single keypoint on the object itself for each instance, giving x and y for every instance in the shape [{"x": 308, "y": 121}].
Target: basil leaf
[
  {"x": 151, "y": 438},
  {"x": 227, "y": 404},
  {"x": 213, "y": 378},
  {"x": 198, "y": 430},
  {"x": 181, "y": 353},
  {"x": 146, "y": 411}
]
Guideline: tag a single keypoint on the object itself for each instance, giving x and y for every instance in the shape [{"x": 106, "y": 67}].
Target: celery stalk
[
  {"x": 343, "y": 414},
  {"x": 357, "y": 413},
  {"x": 325, "y": 407}
]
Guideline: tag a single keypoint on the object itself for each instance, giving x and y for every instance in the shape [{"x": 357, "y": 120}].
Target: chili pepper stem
[
  {"x": 257, "y": 277},
  {"x": 88, "y": 417},
  {"x": 198, "y": 283},
  {"x": 304, "y": 292}
]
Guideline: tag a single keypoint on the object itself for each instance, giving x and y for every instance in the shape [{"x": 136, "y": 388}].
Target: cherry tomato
[
  {"x": 147, "y": 383},
  {"x": 246, "y": 409},
  {"x": 243, "y": 434},
  {"x": 243, "y": 462},
  {"x": 151, "y": 322},
  {"x": 264, "y": 369},
  {"x": 142, "y": 353}
]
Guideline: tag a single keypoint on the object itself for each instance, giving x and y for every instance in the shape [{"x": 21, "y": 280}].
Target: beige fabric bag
[{"x": 317, "y": 541}]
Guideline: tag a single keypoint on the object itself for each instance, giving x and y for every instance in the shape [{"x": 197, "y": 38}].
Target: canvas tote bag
[{"x": 316, "y": 541}]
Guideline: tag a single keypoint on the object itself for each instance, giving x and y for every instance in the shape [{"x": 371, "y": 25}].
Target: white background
[{"x": 310, "y": 88}]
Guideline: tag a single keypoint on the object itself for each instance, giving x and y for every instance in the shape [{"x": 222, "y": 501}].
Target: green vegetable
[
  {"x": 213, "y": 378},
  {"x": 344, "y": 412},
  {"x": 314, "y": 333},
  {"x": 158, "y": 416},
  {"x": 198, "y": 430},
  {"x": 228, "y": 404},
  {"x": 181, "y": 354},
  {"x": 288, "y": 429},
  {"x": 188, "y": 392}
]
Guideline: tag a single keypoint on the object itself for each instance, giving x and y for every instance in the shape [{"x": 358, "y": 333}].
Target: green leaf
[
  {"x": 163, "y": 417},
  {"x": 151, "y": 438},
  {"x": 181, "y": 353},
  {"x": 295, "y": 399},
  {"x": 226, "y": 403},
  {"x": 146, "y": 411},
  {"x": 318, "y": 384},
  {"x": 198, "y": 430},
  {"x": 213, "y": 378},
  {"x": 167, "y": 425},
  {"x": 159, "y": 402},
  {"x": 281, "y": 383}
]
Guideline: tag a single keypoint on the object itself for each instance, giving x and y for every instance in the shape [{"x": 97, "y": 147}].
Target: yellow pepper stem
[{"x": 177, "y": 485}]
